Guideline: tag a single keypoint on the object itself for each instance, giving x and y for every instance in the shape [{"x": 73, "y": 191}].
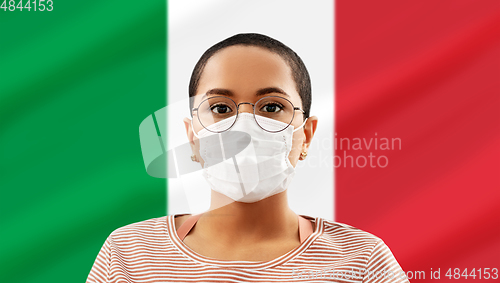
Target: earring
[
  {"x": 193, "y": 158},
  {"x": 303, "y": 155}
]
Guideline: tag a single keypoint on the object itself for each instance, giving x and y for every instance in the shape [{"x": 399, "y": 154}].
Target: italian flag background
[{"x": 76, "y": 82}]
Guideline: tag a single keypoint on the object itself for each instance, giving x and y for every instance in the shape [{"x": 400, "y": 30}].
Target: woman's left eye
[{"x": 271, "y": 107}]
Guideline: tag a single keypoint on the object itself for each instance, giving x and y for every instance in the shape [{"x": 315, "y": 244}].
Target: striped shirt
[{"x": 151, "y": 251}]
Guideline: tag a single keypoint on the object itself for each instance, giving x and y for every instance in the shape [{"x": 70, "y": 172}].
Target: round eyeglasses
[{"x": 217, "y": 108}]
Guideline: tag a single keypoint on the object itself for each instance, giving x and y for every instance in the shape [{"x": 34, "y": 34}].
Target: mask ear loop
[
  {"x": 294, "y": 130},
  {"x": 194, "y": 132}
]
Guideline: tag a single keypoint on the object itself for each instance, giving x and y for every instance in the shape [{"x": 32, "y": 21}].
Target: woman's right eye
[{"x": 220, "y": 109}]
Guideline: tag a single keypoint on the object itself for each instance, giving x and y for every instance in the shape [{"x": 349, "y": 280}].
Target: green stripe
[{"x": 75, "y": 85}]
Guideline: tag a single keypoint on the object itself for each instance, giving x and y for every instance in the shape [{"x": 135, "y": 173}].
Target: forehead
[{"x": 244, "y": 70}]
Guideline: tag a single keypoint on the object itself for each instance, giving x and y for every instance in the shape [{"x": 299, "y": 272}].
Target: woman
[{"x": 250, "y": 101}]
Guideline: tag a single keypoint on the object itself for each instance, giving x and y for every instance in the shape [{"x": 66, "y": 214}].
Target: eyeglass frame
[{"x": 253, "y": 112}]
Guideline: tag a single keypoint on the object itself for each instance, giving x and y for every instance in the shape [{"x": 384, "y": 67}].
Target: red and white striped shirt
[{"x": 151, "y": 251}]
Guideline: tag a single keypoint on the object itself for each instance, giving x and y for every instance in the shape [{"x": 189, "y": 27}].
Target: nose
[{"x": 245, "y": 107}]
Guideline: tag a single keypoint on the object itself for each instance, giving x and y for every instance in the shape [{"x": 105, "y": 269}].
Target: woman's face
[{"x": 241, "y": 71}]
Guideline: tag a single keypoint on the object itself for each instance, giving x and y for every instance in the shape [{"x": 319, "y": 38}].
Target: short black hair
[{"x": 299, "y": 70}]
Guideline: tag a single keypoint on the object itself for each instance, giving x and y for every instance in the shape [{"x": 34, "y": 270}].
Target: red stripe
[{"x": 427, "y": 72}]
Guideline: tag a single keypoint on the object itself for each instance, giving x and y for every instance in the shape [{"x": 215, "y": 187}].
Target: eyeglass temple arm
[
  {"x": 298, "y": 108},
  {"x": 192, "y": 110}
]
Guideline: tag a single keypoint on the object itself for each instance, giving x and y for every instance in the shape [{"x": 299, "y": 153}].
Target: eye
[
  {"x": 220, "y": 109},
  {"x": 272, "y": 107}
]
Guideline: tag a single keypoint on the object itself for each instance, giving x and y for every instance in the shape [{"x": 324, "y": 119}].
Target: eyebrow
[{"x": 262, "y": 91}]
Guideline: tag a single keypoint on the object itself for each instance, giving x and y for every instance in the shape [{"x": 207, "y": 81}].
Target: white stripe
[{"x": 305, "y": 26}]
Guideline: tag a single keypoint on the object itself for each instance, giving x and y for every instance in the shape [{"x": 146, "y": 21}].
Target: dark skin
[{"x": 263, "y": 230}]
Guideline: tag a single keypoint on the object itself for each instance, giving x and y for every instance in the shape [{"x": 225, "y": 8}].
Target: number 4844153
[{"x": 37, "y": 5}]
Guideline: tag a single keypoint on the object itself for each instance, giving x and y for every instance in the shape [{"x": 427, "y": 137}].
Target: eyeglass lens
[{"x": 218, "y": 108}]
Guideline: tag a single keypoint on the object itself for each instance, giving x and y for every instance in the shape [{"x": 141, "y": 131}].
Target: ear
[
  {"x": 189, "y": 131},
  {"x": 309, "y": 130}
]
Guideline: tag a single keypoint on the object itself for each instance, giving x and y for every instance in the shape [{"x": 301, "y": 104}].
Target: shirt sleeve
[
  {"x": 383, "y": 267},
  {"x": 101, "y": 269}
]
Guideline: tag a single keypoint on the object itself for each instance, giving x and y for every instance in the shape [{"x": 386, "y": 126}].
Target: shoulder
[
  {"x": 360, "y": 249},
  {"x": 343, "y": 237},
  {"x": 337, "y": 230},
  {"x": 146, "y": 230}
]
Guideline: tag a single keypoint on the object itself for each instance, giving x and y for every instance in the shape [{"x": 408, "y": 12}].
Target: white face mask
[{"x": 259, "y": 170}]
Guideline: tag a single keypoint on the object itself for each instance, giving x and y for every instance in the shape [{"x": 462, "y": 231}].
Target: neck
[{"x": 232, "y": 221}]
